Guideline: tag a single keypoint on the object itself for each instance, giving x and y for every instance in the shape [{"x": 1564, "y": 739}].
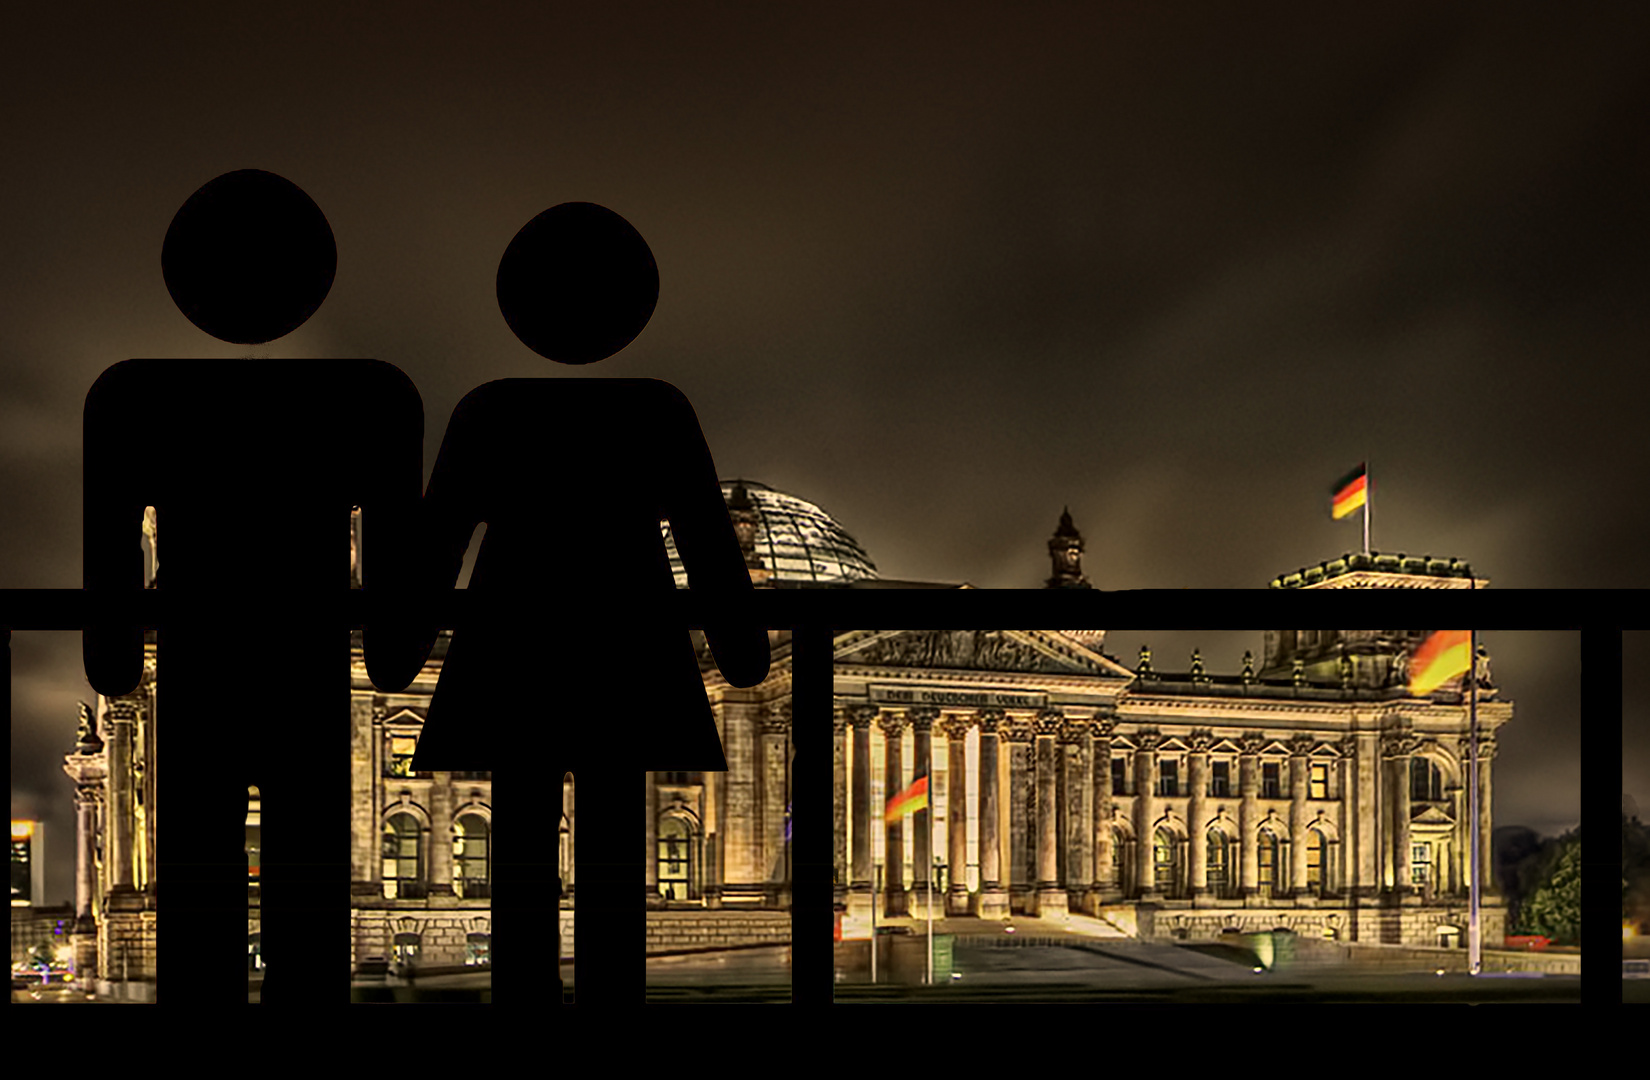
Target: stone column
[
  {"x": 1104, "y": 850},
  {"x": 1249, "y": 747},
  {"x": 1021, "y": 850},
  {"x": 1487, "y": 885},
  {"x": 1145, "y": 813},
  {"x": 1299, "y": 747},
  {"x": 993, "y": 900},
  {"x": 922, "y": 853},
  {"x": 860, "y": 890},
  {"x": 839, "y": 804},
  {"x": 769, "y": 840},
  {"x": 1050, "y": 897},
  {"x": 653, "y": 900},
  {"x": 1366, "y": 814},
  {"x": 1400, "y": 751},
  {"x": 893, "y": 782},
  {"x": 1198, "y": 766},
  {"x": 441, "y": 835},
  {"x": 956, "y": 818},
  {"x": 122, "y": 717},
  {"x": 1079, "y": 834}
]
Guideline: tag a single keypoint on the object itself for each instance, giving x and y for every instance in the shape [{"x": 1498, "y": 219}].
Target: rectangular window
[
  {"x": 1319, "y": 784},
  {"x": 1117, "y": 778},
  {"x": 1269, "y": 788},
  {"x": 1220, "y": 785},
  {"x": 1168, "y": 782},
  {"x": 401, "y": 755},
  {"x": 1419, "y": 861}
]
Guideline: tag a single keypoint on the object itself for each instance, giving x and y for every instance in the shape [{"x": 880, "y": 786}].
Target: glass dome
[{"x": 796, "y": 541}]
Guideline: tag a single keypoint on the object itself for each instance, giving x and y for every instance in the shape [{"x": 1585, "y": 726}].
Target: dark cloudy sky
[{"x": 943, "y": 271}]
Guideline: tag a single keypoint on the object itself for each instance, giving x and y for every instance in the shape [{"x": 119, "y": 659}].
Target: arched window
[
  {"x": 1271, "y": 881},
  {"x": 403, "y": 872},
  {"x": 406, "y": 949},
  {"x": 675, "y": 859},
  {"x": 1121, "y": 860},
  {"x": 1163, "y": 862},
  {"x": 1316, "y": 868},
  {"x": 1425, "y": 781},
  {"x": 1219, "y": 864},
  {"x": 472, "y": 876}
]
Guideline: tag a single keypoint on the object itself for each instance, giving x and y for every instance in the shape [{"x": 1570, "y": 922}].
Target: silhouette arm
[
  {"x": 705, "y": 540},
  {"x": 112, "y": 641}
]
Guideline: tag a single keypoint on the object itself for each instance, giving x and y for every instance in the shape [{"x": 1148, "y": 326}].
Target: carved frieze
[{"x": 977, "y": 650}]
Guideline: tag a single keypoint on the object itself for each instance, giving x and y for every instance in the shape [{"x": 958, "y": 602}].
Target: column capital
[
  {"x": 1252, "y": 744},
  {"x": 1148, "y": 739},
  {"x": 1399, "y": 744},
  {"x": 990, "y": 720},
  {"x": 1049, "y": 721},
  {"x": 1017, "y": 729},
  {"x": 1486, "y": 749},
  {"x": 892, "y": 722},
  {"x": 776, "y": 718},
  {"x": 121, "y": 711},
  {"x": 839, "y": 720},
  {"x": 956, "y": 725},
  {"x": 862, "y": 715},
  {"x": 1301, "y": 744},
  {"x": 1201, "y": 741},
  {"x": 1074, "y": 731},
  {"x": 922, "y": 717}
]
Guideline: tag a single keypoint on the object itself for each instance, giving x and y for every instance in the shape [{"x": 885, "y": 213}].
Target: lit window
[
  {"x": 399, "y": 762},
  {"x": 471, "y": 867},
  {"x": 675, "y": 849},
  {"x": 1420, "y": 860},
  {"x": 1318, "y": 785},
  {"x": 403, "y": 878},
  {"x": 1314, "y": 861},
  {"x": 1218, "y": 863}
]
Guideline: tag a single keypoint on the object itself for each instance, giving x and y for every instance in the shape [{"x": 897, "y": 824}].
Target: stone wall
[
  {"x": 684, "y": 931},
  {"x": 1412, "y": 926}
]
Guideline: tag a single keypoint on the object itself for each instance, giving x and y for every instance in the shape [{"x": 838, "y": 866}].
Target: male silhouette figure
[
  {"x": 252, "y": 464},
  {"x": 570, "y": 656}
]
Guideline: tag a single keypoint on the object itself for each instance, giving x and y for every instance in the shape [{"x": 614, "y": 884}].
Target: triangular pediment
[
  {"x": 1431, "y": 815},
  {"x": 1033, "y": 652}
]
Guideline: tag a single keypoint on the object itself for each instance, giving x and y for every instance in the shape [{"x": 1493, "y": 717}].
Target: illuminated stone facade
[{"x": 1171, "y": 804}]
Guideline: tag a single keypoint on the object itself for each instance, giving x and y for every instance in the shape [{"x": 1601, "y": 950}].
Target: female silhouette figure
[{"x": 571, "y": 653}]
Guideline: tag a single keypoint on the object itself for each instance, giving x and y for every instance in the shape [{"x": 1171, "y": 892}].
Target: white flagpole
[
  {"x": 928, "y": 774},
  {"x": 1368, "y": 492},
  {"x": 876, "y": 888},
  {"x": 1474, "y": 945}
]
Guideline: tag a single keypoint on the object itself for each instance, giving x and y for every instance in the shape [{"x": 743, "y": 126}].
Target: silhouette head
[
  {"x": 577, "y": 284},
  {"x": 249, "y": 257}
]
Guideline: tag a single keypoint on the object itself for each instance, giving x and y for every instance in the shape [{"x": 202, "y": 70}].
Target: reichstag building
[{"x": 1311, "y": 791}]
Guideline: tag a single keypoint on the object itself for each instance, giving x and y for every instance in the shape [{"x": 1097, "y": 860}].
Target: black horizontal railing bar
[{"x": 916, "y": 609}]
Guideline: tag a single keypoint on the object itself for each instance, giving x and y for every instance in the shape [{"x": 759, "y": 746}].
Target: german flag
[
  {"x": 909, "y": 801},
  {"x": 1347, "y": 495},
  {"x": 1441, "y": 657}
]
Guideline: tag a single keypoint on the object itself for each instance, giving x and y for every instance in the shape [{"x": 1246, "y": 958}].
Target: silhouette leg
[
  {"x": 202, "y": 854},
  {"x": 611, "y": 957}
]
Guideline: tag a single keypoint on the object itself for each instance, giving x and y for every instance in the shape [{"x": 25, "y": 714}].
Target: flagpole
[
  {"x": 876, "y": 877},
  {"x": 928, "y": 773},
  {"x": 1368, "y": 492},
  {"x": 1474, "y": 944}
]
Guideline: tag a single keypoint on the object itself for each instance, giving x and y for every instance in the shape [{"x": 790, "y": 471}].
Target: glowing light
[{"x": 22, "y": 829}]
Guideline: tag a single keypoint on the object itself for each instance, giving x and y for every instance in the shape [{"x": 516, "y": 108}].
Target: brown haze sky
[{"x": 942, "y": 271}]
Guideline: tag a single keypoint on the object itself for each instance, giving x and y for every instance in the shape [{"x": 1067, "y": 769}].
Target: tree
[{"x": 1553, "y": 905}]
